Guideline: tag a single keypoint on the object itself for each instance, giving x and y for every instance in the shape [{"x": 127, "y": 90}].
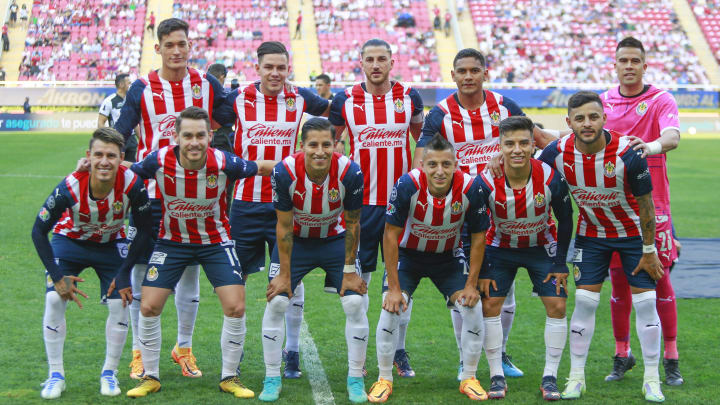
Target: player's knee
[
  {"x": 148, "y": 308},
  {"x": 492, "y": 306},
  {"x": 352, "y": 305},
  {"x": 235, "y": 310},
  {"x": 279, "y": 304},
  {"x": 555, "y": 308}
]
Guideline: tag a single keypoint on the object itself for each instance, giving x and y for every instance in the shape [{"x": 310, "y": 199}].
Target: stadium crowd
[{"x": 708, "y": 15}]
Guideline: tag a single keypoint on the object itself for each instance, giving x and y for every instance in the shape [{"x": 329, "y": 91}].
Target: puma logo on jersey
[
  {"x": 301, "y": 195},
  {"x": 668, "y": 299},
  {"x": 252, "y": 103},
  {"x": 423, "y": 205},
  {"x": 458, "y": 123},
  {"x": 160, "y": 95},
  {"x": 171, "y": 178},
  {"x": 610, "y": 106},
  {"x": 502, "y": 204},
  {"x": 665, "y": 255},
  {"x": 360, "y": 106},
  {"x": 570, "y": 166}
]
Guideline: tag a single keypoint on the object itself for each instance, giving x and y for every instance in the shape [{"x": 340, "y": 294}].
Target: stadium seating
[
  {"x": 235, "y": 28},
  {"x": 72, "y": 40},
  {"x": 343, "y": 26},
  {"x": 707, "y": 13},
  {"x": 536, "y": 41}
]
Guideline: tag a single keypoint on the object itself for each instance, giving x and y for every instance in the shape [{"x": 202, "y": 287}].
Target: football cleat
[
  {"x": 672, "y": 373},
  {"x": 329, "y": 286},
  {"x": 53, "y": 387},
  {"x": 621, "y": 365},
  {"x": 147, "y": 385},
  {"x": 137, "y": 369},
  {"x": 402, "y": 364},
  {"x": 233, "y": 386},
  {"x": 109, "y": 384},
  {"x": 509, "y": 369},
  {"x": 498, "y": 387},
  {"x": 380, "y": 390},
  {"x": 460, "y": 370},
  {"x": 184, "y": 357},
  {"x": 271, "y": 389},
  {"x": 574, "y": 388},
  {"x": 292, "y": 364},
  {"x": 652, "y": 392},
  {"x": 549, "y": 388},
  {"x": 472, "y": 388},
  {"x": 356, "y": 390}
]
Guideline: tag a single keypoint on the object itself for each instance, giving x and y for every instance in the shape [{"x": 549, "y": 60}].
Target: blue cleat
[
  {"x": 402, "y": 364},
  {"x": 271, "y": 389},
  {"x": 356, "y": 390},
  {"x": 509, "y": 368},
  {"x": 292, "y": 365}
]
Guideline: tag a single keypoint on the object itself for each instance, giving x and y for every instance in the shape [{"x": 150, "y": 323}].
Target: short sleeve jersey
[{"x": 110, "y": 108}]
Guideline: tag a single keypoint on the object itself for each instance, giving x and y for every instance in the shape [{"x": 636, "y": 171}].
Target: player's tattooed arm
[
  {"x": 352, "y": 235},
  {"x": 649, "y": 262}
]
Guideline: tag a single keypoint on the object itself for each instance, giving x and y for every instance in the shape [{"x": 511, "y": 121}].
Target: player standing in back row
[
  {"x": 380, "y": 115},
  {"x": 153, "y": 102},
  {"x": 650, "y": 116}
]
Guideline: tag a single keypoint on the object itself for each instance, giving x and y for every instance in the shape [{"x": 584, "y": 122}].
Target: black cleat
[
  {"x": 672, "y": 373},
  {"x": 498, "y": 387},
  {"x": 621, "y": 365},
  {"x": 549, "y": 388}
]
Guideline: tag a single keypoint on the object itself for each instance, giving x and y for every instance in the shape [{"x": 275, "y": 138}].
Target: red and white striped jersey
[
  {"x": 267, "y": 129},
  {"x": 154, "y": 103},
  {"x": 379, "y": 134},
  {"x": 604, "y": 184},
  {"x": 194, "y": 201},
  {"x": 317, "y": 208},
  {"x": 433, "y": 224},
  {"x": 521, "y": 217},
  {"x": 85, "y": 218},
  {"x": 474, "y": 133}
]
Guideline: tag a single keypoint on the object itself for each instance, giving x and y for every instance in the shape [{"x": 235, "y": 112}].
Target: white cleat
[
  {"x": 53, "y": 387},
  {"x": 109, "y": 385},
  {"x": 652, "y": 392}
]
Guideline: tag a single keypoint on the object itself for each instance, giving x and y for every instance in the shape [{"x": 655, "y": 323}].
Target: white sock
[
  {"x": 647, "y": 324},
  {"x": 457, "y": 322},
  {"x": 386, "y": 337},
  {"x": 555, "y": 337},
  {"x": 366, "y": 298},
  {"x": 507, "y": 315},
  {"x": 116, "y": 328},
  {"x": 493, "y": 344},
  {"x": 232, "y": 340},
  {"x": 273, "y": 332},
  {"x": 136, "y": 279},
  {"x": 54, "y": 331},
  {"x": 582, "y": 327},
  {"x": 187, "y": 301},
  {"x": 472, "y": 338},
  {"x": 402, "y": 328},
  {"x": 293, "y": 319},
  {"x": 150, "y": 337},
  {"x": 356, "y": 333}
]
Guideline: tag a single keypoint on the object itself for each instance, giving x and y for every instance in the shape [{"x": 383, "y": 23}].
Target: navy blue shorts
[
  {"x": 309, "y": 254},
  {"x": 169, "y": 259},
  {"x": 591, "y": 260},
  {"x": 156, "y": 210},
  {"x": 446, "y": 270},
  {"x": 372, "y": 228},
  {"x": 74, "y": 256},
  {"x": 252, "y": 226},
  {"x": 503, "y": 264}
]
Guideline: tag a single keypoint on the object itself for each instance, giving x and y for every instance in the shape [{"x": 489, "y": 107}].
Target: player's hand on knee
[
  {"x": 83, "y": 165},
  {"x": 650, "y": 263},
  {"x": 484, "y": 286},
  {"x": 469, "y": 296},
  {"x": 495, "y": 165},
  {"x": 68, "y": 291},
  {"x": 278, "y": 285},
  {"x": 353, "y": 282},
  {"x": 394, "y": 302},
  {"x": 560, "y": 281}
]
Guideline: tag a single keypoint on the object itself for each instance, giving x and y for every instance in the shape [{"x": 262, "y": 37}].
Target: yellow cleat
[
  {"x": 186, "y": 360},
  {"x": 380, "y": 391},
  {"x": 147, "y": 385},
  {"x": 472, "y": 388},
  {"x": 233, "y": 386},
  {"x": 137, "y": 370}
]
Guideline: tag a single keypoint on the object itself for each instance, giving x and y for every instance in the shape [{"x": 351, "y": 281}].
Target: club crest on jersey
[
  {"x": 44, "y": 214},
  {"x": 539, "y": 200},
  {"x": 49, "y": 281},
  {"x": 456, "y": 207},
  {"x": 50, "y": 202},
  {"x": 399, "y": 106},
  {"x": 609, "y": 169},
  {"x": 576, "y": 272},
  {"x": 212, "y": 181},
  {"x": 152, "y": 273},
  {"x": 117, "y": 207},
  {"x": 495, "y": 118},
  {"x": 290, "y": 104},
  {"x": 642, "y": 108},
  {"x": 333, "y": 195},
  {"x": 390, "y": 209},
  {"x": 196, "y": 91}
]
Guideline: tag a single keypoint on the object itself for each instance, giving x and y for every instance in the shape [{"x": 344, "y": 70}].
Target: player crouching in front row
[
  {"x": 424, "y": 217},
  {"x": 87, "y": 210},
  {"x": 523, "y": 234}
]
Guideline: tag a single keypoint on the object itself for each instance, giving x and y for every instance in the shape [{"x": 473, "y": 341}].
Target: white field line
[
  {"x": 314, "y": 368},
  {"x": 32, "y": 176}
]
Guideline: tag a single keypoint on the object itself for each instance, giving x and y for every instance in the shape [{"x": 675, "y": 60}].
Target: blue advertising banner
[{"x": 52, "y": 122}]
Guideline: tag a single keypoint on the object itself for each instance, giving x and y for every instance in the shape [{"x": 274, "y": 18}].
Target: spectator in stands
[
  {"x": 26, "y": 106},
  {"x": 448, "y": 17},
  {"x": 13, "y": 13},
  {"x": 5, "y": 38},
  {"x": 151, "y": 23},
  {"x": 24, "y": 14},
  {"x": 322, "y": 85},
  {"x": 2, "y": 74},
  {"x": 298, "y": 26},
  {"x": 234, "y": 84}
]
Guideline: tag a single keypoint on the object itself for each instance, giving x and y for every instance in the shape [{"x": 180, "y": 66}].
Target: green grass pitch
[{"x": 33, "y": 164}]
